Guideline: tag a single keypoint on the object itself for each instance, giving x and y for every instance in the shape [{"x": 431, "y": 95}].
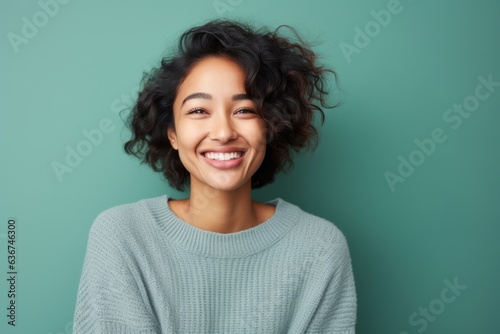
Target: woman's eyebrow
[
  {"x": 200, "y": 95},
  {"x": 239, "y": 97},
  {"x": 196, "y": 96}
]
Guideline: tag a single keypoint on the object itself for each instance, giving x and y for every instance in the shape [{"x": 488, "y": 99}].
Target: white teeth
[{"x": 222, "y": 156}]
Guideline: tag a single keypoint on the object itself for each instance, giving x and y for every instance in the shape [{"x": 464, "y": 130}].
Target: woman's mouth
[
  {"x": 224, "y": 160},
  {"x": 223, "y": 156}
]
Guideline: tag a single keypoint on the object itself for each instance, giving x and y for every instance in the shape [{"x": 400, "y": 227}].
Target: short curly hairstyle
[{"x": 282, "y": 78}]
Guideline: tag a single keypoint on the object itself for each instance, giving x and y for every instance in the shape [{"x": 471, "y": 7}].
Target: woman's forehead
[{"x": 213, "y": 77}]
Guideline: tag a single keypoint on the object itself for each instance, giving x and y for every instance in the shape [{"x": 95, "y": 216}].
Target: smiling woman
[{"x": 220, "y": 117}]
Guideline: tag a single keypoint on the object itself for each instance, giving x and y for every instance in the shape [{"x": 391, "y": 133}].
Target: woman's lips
[{"x": 224, "y": 164}]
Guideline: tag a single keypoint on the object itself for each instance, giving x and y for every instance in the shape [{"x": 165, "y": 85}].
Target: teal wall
[{"x": 412, "y": 181}]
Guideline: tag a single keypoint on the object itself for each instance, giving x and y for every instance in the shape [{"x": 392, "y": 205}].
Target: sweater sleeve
[
  {"x": 109, "y": 299},
  {"x": 336, "y": 312}
]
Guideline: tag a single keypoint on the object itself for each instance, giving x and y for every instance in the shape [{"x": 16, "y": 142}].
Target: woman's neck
[{"x": 222, "y": 211}]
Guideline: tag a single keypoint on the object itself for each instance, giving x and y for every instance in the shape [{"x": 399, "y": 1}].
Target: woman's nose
[{"x": 222, "y": 129}]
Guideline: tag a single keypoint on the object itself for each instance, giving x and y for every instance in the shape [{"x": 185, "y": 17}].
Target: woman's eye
[
  {"x": 197, "y": 111},
  {"x": 245, "y": 111}
]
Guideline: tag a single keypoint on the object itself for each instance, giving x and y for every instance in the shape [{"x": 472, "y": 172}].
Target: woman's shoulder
[
  {"x": 319, "y": 230},
  {"x": 123, "y": 218}
]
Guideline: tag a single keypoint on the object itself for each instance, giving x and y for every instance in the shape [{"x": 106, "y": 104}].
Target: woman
[{"x": 221, "y": 117}]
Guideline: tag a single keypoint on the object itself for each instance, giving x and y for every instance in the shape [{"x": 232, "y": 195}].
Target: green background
[{"x": 442, "y": 223}]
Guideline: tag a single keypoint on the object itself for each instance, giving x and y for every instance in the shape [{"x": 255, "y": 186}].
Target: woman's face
[{"x": 219, "y": 135}]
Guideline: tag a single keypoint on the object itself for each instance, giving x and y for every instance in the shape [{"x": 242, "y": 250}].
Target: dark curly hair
[{"x": 281, "y": 77}]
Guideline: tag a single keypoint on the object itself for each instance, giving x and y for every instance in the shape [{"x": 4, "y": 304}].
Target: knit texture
[{"x": 147, "y": 271}]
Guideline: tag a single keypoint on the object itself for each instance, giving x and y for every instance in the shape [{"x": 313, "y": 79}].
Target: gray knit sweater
[{"x": 147, "y": 271}]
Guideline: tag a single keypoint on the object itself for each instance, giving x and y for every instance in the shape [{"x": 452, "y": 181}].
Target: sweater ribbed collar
[{"x": 225, "y": 245}]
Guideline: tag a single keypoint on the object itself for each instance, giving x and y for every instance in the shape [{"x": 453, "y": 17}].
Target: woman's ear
[{"x": 172, "y": 136}]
